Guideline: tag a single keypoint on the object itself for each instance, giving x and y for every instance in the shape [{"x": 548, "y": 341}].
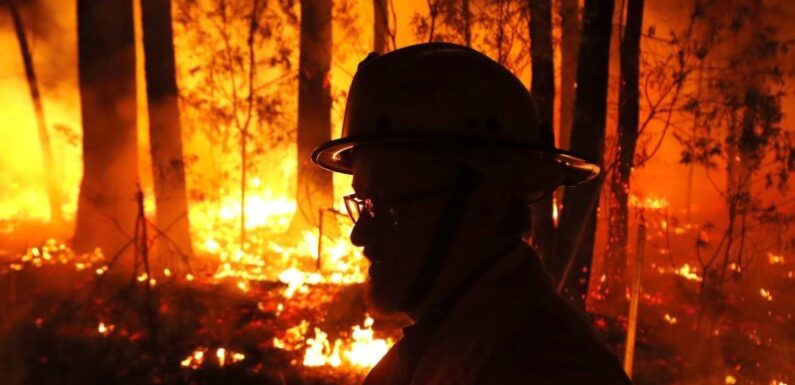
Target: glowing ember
[
  {"x": 775, "y": 259},
  {"x": 195, "y": 360},
  {"x": 688, "y": 272},
  {"x": 766, "y": 294},
  {"x": 221, "y": 355},
  {"x": 105, "y": 329},
  {"x": 670, "y": 319},
  {"x": 243, "y": 286},
  {"x": 730, "y": 380},
  {"x": 555, "y": 210}
]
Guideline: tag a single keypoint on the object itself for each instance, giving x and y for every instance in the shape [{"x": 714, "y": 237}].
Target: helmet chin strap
[{"x": 442, "y": 242}]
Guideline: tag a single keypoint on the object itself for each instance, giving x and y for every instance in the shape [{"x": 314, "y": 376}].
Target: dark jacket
[{"x": 508, "y": 327}]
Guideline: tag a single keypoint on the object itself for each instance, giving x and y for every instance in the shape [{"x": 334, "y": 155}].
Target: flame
[
  {"x": 362, "y": 350},
  {"x": 366, "y": 351},
  {"x": 319, "y": 351},
  {"x": 224, "y": 356}
]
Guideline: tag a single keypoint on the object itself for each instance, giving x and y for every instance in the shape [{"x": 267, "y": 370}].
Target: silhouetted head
[{"x": 447, "y": 152}]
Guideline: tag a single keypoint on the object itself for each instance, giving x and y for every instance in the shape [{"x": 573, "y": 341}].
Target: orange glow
[{"x": 649, "y": 202}]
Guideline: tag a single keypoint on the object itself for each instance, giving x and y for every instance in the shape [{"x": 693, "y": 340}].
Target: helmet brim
[{"x": 335, "y": 155}]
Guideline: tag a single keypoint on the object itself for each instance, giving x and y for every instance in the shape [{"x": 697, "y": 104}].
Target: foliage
[
  {"x": 236, "y": 70},
  {"x": 498, "y": 28}
]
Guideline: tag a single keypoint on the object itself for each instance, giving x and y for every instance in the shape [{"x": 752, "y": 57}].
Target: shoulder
[{"x": 554, "y": 346}]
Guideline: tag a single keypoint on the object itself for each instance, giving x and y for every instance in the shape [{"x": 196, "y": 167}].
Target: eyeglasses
[{"x": 385, "y": 208}]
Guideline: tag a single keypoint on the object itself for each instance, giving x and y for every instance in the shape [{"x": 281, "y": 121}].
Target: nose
[{"x": 362, "y": 231}]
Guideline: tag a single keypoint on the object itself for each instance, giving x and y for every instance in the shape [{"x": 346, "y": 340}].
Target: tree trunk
[
  {"x": 569, "y": 47},
  {"x": 573, "y": 247},
  {"x": 106, "y": 209},
  {"x": 466, "y": 12},
  {"x": 314, "y": 186},
  {"x": 628, "y": 99},
  {"x": 543, "y": 90},
  {"x": 165, "y": 134},
  {"x": 380, "y": 26},
  {"x": 50, "y": 182}
]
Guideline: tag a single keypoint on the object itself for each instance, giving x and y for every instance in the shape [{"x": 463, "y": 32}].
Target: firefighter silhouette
[{"x": 447, "y": 153}]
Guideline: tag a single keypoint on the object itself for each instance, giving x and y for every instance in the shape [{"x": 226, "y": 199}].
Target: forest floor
[{"x": 71, "y": 320}]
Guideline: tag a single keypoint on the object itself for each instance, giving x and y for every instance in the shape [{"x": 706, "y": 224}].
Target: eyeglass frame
[{"x": 368, "y": 205}]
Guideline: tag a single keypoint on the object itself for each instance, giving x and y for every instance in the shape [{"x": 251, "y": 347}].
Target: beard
[{"x": 385, "y": 294}]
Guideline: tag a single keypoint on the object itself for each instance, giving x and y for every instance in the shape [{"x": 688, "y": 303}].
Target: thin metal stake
[
  {"x": 319, "y": 260},
  {"x": 632, "y": 327}
]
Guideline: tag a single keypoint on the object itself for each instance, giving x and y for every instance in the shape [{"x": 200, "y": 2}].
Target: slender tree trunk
[
  {"x": 628, "y": 109},
  {"x": 569, "y": 47},
  {"x": 380, "y": 26},
  {"x": 466, "y": 12},
  {"x": 165, "y": 134},
  {"x": 53, "y": 192},
  {"x": 314, "y": 185},
  {"x": 573, "y": 247},
  {"x": 543, "y": 90},
  {"x": 107, "y": 209}
]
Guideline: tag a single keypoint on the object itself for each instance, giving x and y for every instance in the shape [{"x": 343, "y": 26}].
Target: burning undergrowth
[
  {"x": 707, "y": 316},
  {"x": 78, "y": 319}
]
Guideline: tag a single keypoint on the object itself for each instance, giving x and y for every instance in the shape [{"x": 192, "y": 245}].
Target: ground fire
[{"x": 161, "y": 221}]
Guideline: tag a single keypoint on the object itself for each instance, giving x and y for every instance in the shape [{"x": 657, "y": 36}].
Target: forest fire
[{"x": 160, "y": 220}]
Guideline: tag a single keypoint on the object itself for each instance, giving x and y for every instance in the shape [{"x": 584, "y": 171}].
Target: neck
[{"x": 456, "y": 278}]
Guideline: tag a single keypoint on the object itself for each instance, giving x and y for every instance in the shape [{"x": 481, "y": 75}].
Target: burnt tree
[
  {"x": 165, "y": 134},
  {"x": 51, "y": 184},
  {"x": 107, "y": 211},
  {"x": 569, "y": 49},
  {"x": 543, "y": 90},
  {"x": 314, "y": 185},
  {"x": 573, "y": 247},
  {"x": 628, "y": 120}
]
